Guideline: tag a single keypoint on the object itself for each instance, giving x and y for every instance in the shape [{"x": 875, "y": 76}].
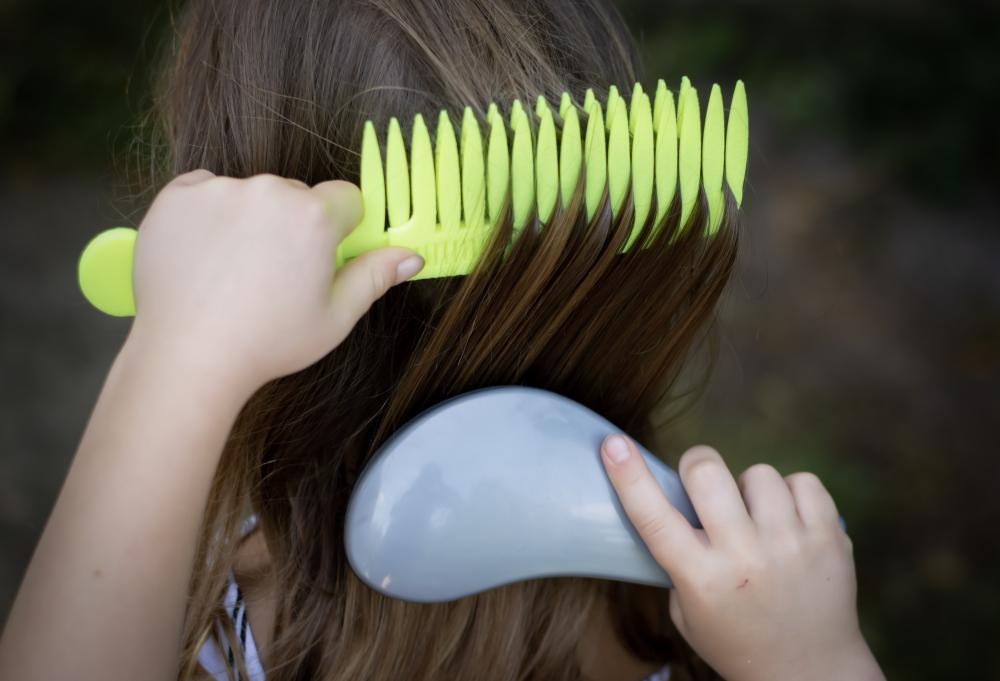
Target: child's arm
[
  {"x": 235, "y": 286},
  {"x": 767, "y": 589}
]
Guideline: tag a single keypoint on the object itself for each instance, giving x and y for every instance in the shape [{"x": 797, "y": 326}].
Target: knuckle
[
  {"x": 265, "y": 180},
  {"x": 804, "y": 479},
  {"x": 790, "y": 545},
  {"x": 752, "y": 563},
  {"x": 314, "y": 212},
  {"x": 651, "y": 526},
  {"x": 702, "y": 473},
  {"x": 758, "y": 471},
  {"x": 700, "y": 452},
  {"x": 380, "y": 280}
]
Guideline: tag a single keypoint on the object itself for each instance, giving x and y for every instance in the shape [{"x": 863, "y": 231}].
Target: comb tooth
[
  {"x": 422, "y": 178},
  {"x": 682, "y": 97},
  {"x": 516, "y": 109},
  {"x": 595, "y": 158},
  {"x": 449, "y": 189},
  {"x": 473, "y": 173},
  {"x": 397, "y": 176},
  {"x": 642, "y": 164},
  {"x": 666, "y": 156},
  {"x": 689, "y": 155},
  {"x": 659, "y": 102},
  {"x": 637, "y": 93},
  {"x": 497, "y": 165},
  {"x": 737, "y": 142},
  {"x": 713, "y": 157},
  {"x": 588, "y": 100},
  {"x": 611, "y": 107},
  {"x": 546, "y": 163},
  {"x": 619, "y": 156},
  {"x": 522, "y": 168},
  {"x": 570, "y": 156},
  {"x": 370, "y": 234},
  {"x": 565, "y": 104},
  {"x": 541, "y": 106}
]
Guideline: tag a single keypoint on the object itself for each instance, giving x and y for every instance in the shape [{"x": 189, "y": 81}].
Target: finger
[
  {"x": 768, "y": 499},
  {"x": 344, "y": 205},
  {"x": 665, "y": 531},
  {"x": 715, "y": 497},
  {"x": 366, "y": 279},
  {"x": 193, "y": 177},
  {"x": 815, "y": 506}
]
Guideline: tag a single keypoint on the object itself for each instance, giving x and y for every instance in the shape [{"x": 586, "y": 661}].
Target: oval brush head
[
  {"x": 443, "y": 197},
  {"x": 492, "y": 487}
]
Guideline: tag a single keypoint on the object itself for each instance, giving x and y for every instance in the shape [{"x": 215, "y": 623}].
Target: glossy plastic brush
[
  {"x": 443, "y": 197},
  {"x": 496, "y": 486}
]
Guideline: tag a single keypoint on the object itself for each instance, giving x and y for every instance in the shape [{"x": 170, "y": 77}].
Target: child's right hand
[
  {"x": 238, "y": 275},
  {"x": 766, "y": 591}
]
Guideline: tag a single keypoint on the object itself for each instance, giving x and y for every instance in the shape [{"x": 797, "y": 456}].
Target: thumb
[{"x": 365, "y": 279}]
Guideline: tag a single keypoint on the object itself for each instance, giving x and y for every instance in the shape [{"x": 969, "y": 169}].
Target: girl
[{"x": 256, "y": 381}]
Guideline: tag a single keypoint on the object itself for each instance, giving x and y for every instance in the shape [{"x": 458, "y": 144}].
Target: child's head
[{"x": 284, "y": 87}]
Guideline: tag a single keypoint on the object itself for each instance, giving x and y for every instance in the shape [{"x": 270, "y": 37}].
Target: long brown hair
[{"x": 284, "y": 87}]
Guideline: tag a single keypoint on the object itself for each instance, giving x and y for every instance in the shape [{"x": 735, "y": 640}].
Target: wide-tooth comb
[{"x": 443, "y": 197}]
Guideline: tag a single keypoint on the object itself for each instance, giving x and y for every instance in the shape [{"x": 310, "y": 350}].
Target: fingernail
[
  {"x": 616, "y": 448},
  {"x": 408, "y": 268}
]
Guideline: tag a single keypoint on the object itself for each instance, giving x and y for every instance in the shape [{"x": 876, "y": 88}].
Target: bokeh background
[{"x": 860, "y": 339}]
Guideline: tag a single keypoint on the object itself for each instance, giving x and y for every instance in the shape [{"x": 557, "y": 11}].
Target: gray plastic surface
[{"x": 496, "y": 486}]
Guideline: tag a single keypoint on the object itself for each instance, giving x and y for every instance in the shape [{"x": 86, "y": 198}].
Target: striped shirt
[{"x": 221, "y": 663}]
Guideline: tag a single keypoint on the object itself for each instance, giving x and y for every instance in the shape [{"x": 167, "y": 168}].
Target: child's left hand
[{"x": 767, "y": 589}]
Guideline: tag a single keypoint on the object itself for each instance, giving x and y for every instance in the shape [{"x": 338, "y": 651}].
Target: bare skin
[
  {"x": 235, "y": 286},
  {"x": 767, "y": 589}
]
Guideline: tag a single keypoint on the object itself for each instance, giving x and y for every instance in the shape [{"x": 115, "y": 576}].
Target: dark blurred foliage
[
  {"x": 74, "y": 76},
  {"x": 912, "y": 82},
  {"x": 861, "y": 338}
]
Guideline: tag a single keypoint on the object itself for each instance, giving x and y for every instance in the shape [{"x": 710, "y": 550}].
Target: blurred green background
[{"x": 859, "y": 338}]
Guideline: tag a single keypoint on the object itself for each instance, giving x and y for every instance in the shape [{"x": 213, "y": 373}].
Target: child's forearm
[{"x": 104, "y": 595}]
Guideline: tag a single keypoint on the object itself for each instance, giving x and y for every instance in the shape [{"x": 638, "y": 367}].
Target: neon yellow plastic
[
  {"x": 570, "y": 153},
  {"x": 105, "y": 271},
  {"x": 643, "y": 168},
  {"x": 449, "y": 185},
  {"x": 546, "y": 163},
  {"x": 522, "y": 169},
  {"x": 473, "y": 173},
  {"x": 442, "y": 197},
  {"x": 689, "y": 152},
  {"x": 397, "y": 176},
  {"x": 368, "y": 235},
  {"x": 423, "y": 226},
  {"x": 659, "y": 101},
  {"x": 666, "y": 151},
  {"x": 737, "y": 142},
  {"x": 497, "y": 165},
  {"x": 619, "y": 156},
  {"x": 565, "y": 104},
  {"x": 595, "y": 157},
  {"x": 611, "y": 108},
  {"x": 714, "y": 158}
]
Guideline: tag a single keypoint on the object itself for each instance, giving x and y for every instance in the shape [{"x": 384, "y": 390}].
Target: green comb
[{"x": 444, "y": 197}]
